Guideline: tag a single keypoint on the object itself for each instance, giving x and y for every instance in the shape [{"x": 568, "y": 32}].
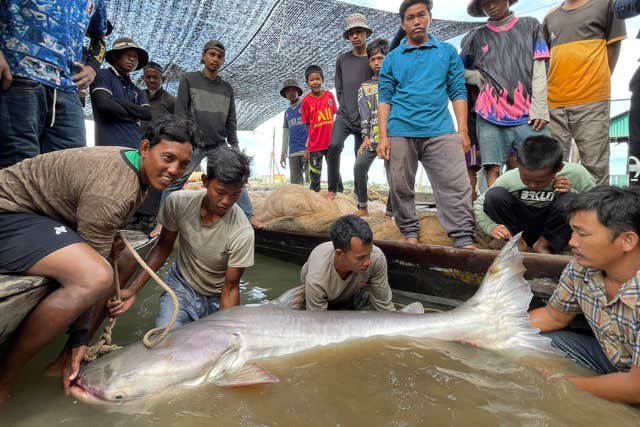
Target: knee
[
  {"x": 96, "y": 281},
  {"x": 496, "y": 196}
]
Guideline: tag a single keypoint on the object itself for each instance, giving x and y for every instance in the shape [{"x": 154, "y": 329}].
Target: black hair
[
  {"x": 347, "y": 227},
  {"x": 406, "y": 4},
  {"x": 313, "y": 69},
  {"x": 617, "y": 208},
  {"x": 538, "y": 152},
  {"x": 169, "y": 129},
  {"x": 228, "y": 165},
  {"x": 377, "y": 46},
  {"x": 395, "y": 41}
]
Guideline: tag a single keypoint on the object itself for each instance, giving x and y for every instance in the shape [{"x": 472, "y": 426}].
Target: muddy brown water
[{"x": 386, "y": 382}]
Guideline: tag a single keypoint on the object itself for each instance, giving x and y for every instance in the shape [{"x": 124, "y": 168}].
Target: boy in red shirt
[{"x": 317, "y": 111}]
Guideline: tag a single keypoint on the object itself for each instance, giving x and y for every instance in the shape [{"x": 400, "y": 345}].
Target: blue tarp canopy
[{"x": 266, "y": 41}]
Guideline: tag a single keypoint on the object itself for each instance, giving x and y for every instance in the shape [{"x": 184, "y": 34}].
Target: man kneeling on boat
[
  {"x": 349, "y": 272},
  {"x": 216, "y": 244},
  {"x": 603, "y": 283},
  {"x": 59, "y": 214}
]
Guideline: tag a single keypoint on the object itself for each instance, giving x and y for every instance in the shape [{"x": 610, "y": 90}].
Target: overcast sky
[{"x": 259, "y": 143}]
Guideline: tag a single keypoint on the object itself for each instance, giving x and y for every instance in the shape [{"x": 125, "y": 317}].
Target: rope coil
[{"x": 104, "y": 344}]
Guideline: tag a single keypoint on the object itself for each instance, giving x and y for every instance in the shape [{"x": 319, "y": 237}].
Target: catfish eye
[{"x": 119, "y": 396}]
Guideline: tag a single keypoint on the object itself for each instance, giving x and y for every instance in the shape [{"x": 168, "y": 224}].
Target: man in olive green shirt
[{"x": 59, "y": 214}]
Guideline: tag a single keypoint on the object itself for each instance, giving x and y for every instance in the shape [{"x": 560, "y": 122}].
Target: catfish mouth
[{"x": 88, "y": 394}]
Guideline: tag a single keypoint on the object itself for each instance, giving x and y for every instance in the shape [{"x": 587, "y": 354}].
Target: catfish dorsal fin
[
  {"x": 250, "y": 374},
  {"x": 413, "y": 308},
  {"x": 292, "y": 298}
]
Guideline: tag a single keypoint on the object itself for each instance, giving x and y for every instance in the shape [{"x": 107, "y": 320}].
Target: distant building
[{"x": 618, "y": 134}]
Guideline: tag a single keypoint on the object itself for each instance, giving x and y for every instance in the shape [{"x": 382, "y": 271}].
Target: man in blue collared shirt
[{"x": 417, "y": 81}]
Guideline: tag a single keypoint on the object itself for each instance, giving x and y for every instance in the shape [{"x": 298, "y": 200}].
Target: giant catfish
[{"x": 223, "y": 347}]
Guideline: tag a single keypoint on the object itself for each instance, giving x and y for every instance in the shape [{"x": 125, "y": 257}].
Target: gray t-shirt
[
  {"x": 323, "y": 285},
  {"x": 351, "y": 72},
  {"x": 206, "y": 251}
]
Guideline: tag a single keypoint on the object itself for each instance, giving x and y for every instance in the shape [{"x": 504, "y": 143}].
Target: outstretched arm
[
  {"x": 155, "y": 260},
  {"x": 619, "y": 387},
  {"x": 548, "y": 319},
  {"x": 231, "y": 289}
]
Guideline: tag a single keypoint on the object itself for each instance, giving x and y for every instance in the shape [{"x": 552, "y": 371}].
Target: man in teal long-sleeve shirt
[{"x": 417, "y": 81}]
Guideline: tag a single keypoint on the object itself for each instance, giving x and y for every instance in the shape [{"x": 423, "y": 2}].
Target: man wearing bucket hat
[
  {"x": 352, "y": 69},
  {"x": 294, "y": 132},
  {"x": 506, "y": 61},
  {"x": 41, "y": 71},
  {"x": 118, "y": 104}
]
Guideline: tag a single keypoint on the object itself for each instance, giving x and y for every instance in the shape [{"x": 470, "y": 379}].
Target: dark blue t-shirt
[
  {"x": 111, "y": 131},
  {"x": 297, "y": 129}
]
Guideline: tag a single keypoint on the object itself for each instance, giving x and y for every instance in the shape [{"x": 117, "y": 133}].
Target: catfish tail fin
[{"x": 504, "y": 296}]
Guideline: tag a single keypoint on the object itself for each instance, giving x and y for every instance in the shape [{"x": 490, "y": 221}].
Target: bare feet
[
  {"x": 388, "y": 217},
  {"x": 331, "y": 195},
  {"x": 255, "y": 222},
  {"x": 362, "y": 212},
  {"x": 522, "y": 246},
  {"x": 496, "y": 244},
  {"x": 55, "y": 368},
  {"x": 411, "y": 241},
  {"x": 471, "y": 246},
  {"x": 156, "y": 231}
]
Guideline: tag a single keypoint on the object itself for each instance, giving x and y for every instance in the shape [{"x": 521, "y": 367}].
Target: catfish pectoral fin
[
  {"x": 251, "y": 374},
  {"x": 413, "y": 308}
]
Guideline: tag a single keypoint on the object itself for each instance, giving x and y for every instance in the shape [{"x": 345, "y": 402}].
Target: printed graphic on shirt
[
  {"x": 317, "y": 113},
  {"x": 297, "y": 129},
  {"x": 368, "y": 106},
  {"x": 579, "y": 70},
  {"x": 505, "y": 58},
  {"x": 41, "y": 38},
  {"x": 536, "y": 195}
]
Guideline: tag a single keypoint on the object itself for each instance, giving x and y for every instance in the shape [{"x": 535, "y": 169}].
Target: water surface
[{"x": 394, "y": 382}]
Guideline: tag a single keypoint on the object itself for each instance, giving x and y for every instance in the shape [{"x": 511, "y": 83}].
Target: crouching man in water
[
  {"x": 59, "y": 214},
  {"x": 215, "y": 244},
  {"x": 603, "y": 283},
  {"x": 347, "y": 273}
]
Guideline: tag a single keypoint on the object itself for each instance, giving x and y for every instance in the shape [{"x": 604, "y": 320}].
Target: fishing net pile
[{"x": 296, "y": 208}]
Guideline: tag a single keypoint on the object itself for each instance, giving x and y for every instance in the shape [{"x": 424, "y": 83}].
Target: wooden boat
[
  {"x": 19, "y": 294},
  {"x": 438, "y": 275}
]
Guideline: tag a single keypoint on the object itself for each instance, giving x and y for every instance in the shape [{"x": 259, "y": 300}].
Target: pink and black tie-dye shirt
[{"x": 505, "y": 58}]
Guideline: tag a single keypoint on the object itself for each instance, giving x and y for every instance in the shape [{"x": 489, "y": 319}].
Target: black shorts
[{"x": 28, "y": 237}]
